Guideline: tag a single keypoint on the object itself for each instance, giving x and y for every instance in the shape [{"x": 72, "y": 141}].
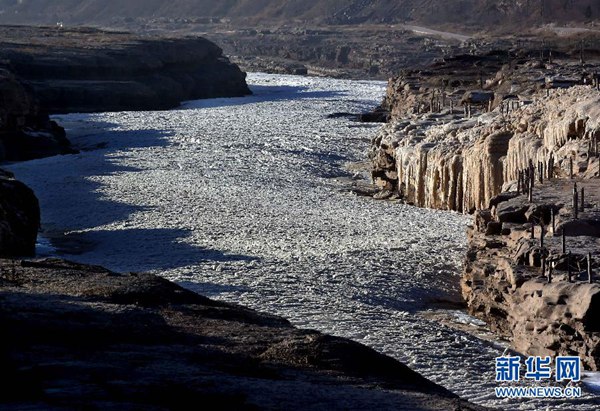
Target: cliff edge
[
  {"x": 82, "y": 336},
  {"x": 88, "y": 70}
]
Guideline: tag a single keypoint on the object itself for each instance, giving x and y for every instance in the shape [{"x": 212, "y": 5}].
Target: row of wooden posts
[
  {"x": 525, "y": 183},
  {"x": 437, "y": 102},
  {"x": 549, "y": 263},
  {"x": 527, "y": 176},
  {"x": 508, "y": 106},
  {"x": 578, "y": 205}
]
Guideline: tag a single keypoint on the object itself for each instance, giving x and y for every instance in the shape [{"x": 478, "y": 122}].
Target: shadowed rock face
[
  {"x": 86, "y": 70},
  {"x": 26, "y": 132},
  {"x": 19, "y": 217},
  {"x": 82, "y": 336}
]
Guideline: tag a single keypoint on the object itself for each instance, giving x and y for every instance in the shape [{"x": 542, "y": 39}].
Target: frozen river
[{"x": 245, "y": 200}]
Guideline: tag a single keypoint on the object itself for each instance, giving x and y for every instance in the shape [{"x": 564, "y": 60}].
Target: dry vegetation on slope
[{"x": 476, "y": 14}]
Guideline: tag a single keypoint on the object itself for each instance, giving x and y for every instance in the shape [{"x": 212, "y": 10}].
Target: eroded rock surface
[
  {"x": 86, "y": 70},
  {"x": 82, "y": 336},
  {"x": 535, "y": 293},
  {"x": 19, "y": 217},
  {"x": 26, "y": 132},
  {"x": 435, "y": 156}
]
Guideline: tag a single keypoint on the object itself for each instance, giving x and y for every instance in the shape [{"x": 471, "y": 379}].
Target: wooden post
[
  {"x": 575, "y": 203},
  {"x": 531, "y": 172},
  {"x": 569, "y": 274},
  {"x": 542, "y": 234},
  {"x": 589, "y": 268},
  {"x": 531, "y": 191},
  {"x": 544, "y": 266},
  {"x": 550, "y": 269},
  {"x": 571, "y": 168},
  {"x": 543, "y": 170}
]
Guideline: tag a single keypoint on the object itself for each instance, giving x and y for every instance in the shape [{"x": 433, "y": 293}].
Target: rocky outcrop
[
  {"x": 26, "y": 132},
  {"x": 530, "y": 290},
  {"x": 85, "y": 70},
  {"x": 19, "y": 217},
  {"x": 447, "y": 160},
  {"x": 85, "y": 337}
]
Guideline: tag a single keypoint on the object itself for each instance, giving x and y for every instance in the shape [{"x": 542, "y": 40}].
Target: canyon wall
[
  {"x": 447, "y": 161},
  {"x": 26, "y": 132},
  {"x": 518, "y": 276},
  {"x": 19, "y": 217},
  {"x": 86, "y": 70},
  {"x": 531, "y": 290}
]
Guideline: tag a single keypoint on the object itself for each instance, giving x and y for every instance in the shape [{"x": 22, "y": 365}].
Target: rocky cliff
[
  {"x": 19, "y": 217},
  {"x": 85, "y": 337},
  {"x": 509, "y": 146},
  {"x": 83, "y": 69},
  {"x": 455, "y": 149},
  {"x": 522, "y": 280},
  {"x": 26, "y": 132}
]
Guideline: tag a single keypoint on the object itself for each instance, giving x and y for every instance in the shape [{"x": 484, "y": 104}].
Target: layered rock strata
[
  {"x": 448, "y": 161},
  {"x": 85, "y": 69},
  {"x": 529, "y": 289},
  {"x": 85, "y": 337}
]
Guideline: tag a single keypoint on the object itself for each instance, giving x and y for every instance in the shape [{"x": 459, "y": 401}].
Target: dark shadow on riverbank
[
  {"x": 262, "y": 94},
  {"x": 90, "y": 211},
  {"x": 152, "y": 249}
]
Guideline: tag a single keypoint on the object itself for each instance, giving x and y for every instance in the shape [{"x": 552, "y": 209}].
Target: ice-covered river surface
[{"x": 245, "y": 200}]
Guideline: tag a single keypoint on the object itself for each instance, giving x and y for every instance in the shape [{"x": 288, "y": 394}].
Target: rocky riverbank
[
  {"x": 26, "y": 132},
  {"x": 82, "y": 336},
  {"x": 87, "y": 70},
  {"x": 454, "y": 142},
  {"x": 526, "y": 272},
  {"x": 475, "y": 140},
  {"x": 19, "y": 217}
]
